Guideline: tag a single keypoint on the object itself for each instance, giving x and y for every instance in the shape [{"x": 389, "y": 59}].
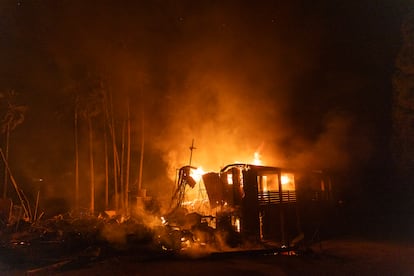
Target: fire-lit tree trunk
[
  {"x": 90, "y": 98},
  {"x": 111, "y": 122},
  {"x": 76, "y": 158},
  {"x": 125, "y": 161},
  {"x": 107, "y": 127},
  {"x": 122, "y": 166},
  {"x": 128, "y": 159},
  {"x": 141, "y": 159},
  {"x": 91, "y": 166},
  {"x": 106, "y": 166},
  {"x": 6, "y": 173},
  {"x": 13, "y": 116},
  {"x": 23, "y": 200}
]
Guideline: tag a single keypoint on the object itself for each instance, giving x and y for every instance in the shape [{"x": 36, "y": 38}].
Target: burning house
[{"x": 263, "y": 204}]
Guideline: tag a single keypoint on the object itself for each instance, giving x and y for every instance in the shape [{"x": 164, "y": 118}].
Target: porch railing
[{"x": 268, "y": 198}]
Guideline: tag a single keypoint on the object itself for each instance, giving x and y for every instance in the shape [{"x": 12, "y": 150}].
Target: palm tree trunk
[
  {"x": 76, "y": 160},
  {"x": 25, "y": 204},
  {"x": 106, "y": 127},
  {"x": 122, "y": 166},
  {"x": 128, "y": 159},
  {"x": 6, "y": 175},
  {"x": 106, "y": 167},
  {"x": 115, "y": 153},
  {"x": 91, "y": 167},
  {"x": 141, "y": 160}
]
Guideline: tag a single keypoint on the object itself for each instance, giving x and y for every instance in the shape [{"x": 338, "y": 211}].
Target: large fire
[
  {"x": 196, "y": 198},
  {"x": 197, "y": 173}
]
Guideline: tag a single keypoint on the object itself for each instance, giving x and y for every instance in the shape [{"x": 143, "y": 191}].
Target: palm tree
[
  {"x": 110, "y": 118},
  {"x": 89, "y": 106},
  {"x": 13, "y": 116},
  {"x": 105, "y": 129},
  {"x": 128, "y": 158},
  {"x": 125, "y": 160},
  {"x": 76, "y": 153}
]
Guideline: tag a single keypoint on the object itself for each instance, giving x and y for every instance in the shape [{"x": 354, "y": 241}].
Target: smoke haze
[{"x": 236, "y": 78}]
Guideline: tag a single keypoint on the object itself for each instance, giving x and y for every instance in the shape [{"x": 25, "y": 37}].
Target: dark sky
[{"x": 305, "y": 84}]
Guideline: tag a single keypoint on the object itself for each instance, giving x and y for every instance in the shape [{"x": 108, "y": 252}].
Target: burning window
[
  {"x": 287, "y": 181},
  {"x": 234, "y": 177},
  {"x": 230, "y": 179},
  {"x": 268, "y": 183}
]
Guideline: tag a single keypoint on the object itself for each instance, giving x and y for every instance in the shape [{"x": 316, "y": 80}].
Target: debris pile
[
  {"x": 253, "y": 209},
  {"x": 76, "y": 238}
]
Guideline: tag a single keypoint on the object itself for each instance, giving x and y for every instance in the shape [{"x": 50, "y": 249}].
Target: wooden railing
[{"x": 268, "y": 198}]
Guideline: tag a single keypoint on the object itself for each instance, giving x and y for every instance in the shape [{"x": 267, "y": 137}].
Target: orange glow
[
  {"x": 285, "y": 179},
  {"x": 236, "y": 223},
  {"x": 196, "y": 199},
  {"x": 196, "y": 174},
  {"x": 256, "y": 160},
  {"x": 264, "y": 183},
  {"x": 288, "y": 181},
  {"x": 230, "y": 179},
  {"x": 268, "y": 182}
]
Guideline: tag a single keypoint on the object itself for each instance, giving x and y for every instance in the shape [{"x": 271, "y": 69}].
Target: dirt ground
[{"x": 333, "y": 257}]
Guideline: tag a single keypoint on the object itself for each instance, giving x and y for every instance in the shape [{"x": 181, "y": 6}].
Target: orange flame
[
  {"x": 196, "y": 174},
  {"x": 257, "y": 160}
]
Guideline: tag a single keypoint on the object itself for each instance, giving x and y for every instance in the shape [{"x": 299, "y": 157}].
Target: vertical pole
[
  {"x": 115, "y": 152},
  {"x": 6, "y": 176},
  {"x": 191, "y": 151},
  {"x": 107, "y": 127},
  {"x": 91, "y": 164},
  {"x": 106, "y": 166},
  {"x": 76, "y": 158},
  {"x": 128, "y": 158},
  {"x": 281, "y": 210},
  {"x": 122, "y": 166},
  {"x": 141, "y": 159},
  {"x": 141, "y": 193}
]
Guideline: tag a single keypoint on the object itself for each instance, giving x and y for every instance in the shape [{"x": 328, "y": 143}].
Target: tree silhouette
[
  {"x": 88, "y": 107},
  {"x": 13, "y": 115}
]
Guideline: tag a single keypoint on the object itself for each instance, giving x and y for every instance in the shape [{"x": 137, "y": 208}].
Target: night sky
[{"x": 308, "y": 85}]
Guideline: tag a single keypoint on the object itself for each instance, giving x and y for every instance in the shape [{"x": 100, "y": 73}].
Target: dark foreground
[{"x": 333, "y": 257}]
